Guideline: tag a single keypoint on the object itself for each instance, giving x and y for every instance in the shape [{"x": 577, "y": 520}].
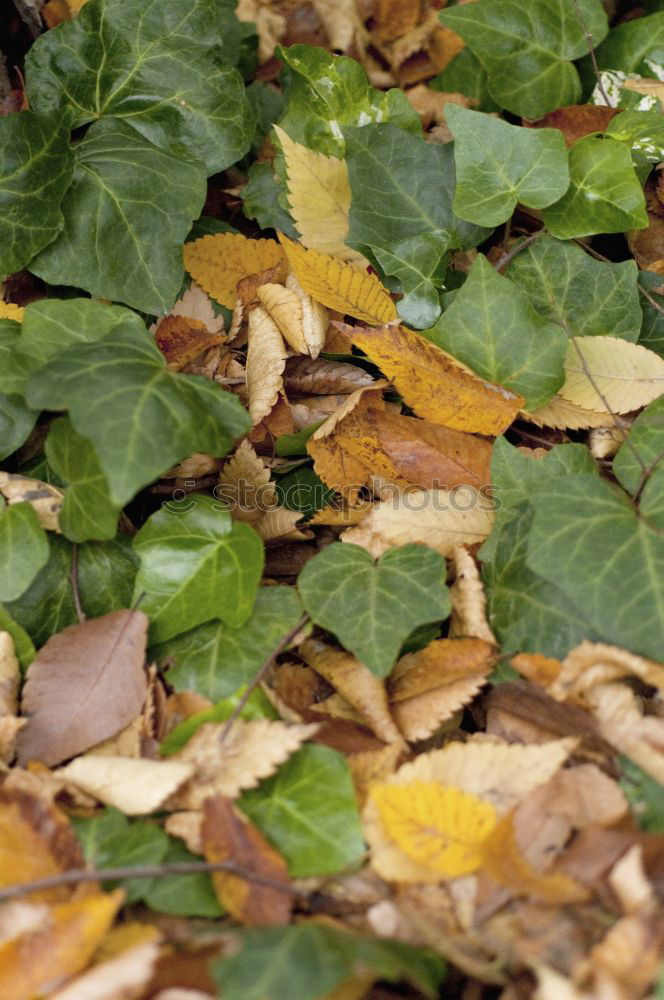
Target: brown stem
[
  {"x": 504, "y": 260},
  {"x": 591, "y": 53},
  {"x": 73, "y": 578},
  {"x": 600, "y": 256}
]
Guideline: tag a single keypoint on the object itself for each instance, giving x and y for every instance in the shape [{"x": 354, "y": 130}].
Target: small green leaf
[
  {"x": 419, "y": 263},
  {"x": 492, "y": 327},
  {"x": 264, "y": 198},
  {"x": 586, "y": 297},
  {"x": 118, "y": 242},
  {"x": 215, "y": 659},
  {"x": 499, "y": 165},
  {"x": 309, "y": 812},
  {"x": 639, "y": 463},
  {"x": 16, "y": 422},
  {"x": 645, "y": 795},
  {"x": 604, "y": 195},
  {"x": 294, "y": 445},
  {"x": 303, "y": 490},
  {"x": 529, "y": 58},
  {"x": 636, "y": 46},
  {"x": 87, "y": 511},
  {"x": 140, "y": 417},
  {"x": 183, "y": 895},
  {"x": 23, "y": 550},
  {"x": 372, "y": 607},
  {"x": 643, "y": 131},
  {"x": 307, "y": 961},
  {"x": 161, "y": 68},
  {"x": 25, "y": 650},
  {"x": 36, "y": 167},
  {"x": 196, "y": 565}
]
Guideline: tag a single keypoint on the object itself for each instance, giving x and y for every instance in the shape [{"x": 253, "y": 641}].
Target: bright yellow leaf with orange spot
[
  {"x": 439, "y": 827},
  {"x": 339, "y": 286},
  {"x": 9, "y": 311},
  {"x": 218, "y": 262}
]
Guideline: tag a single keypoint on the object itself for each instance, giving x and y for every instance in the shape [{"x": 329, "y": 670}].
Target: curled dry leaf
[
  {"x": 369, "y": 766},
  {"x": 592, "y": 663},
  {"x": 576, "y": 120},
  {"x": 302, "y": 321},
  {"x": 611, "y": 375},
  {"x": 85, "y": 684},
  {"x": 181, "y": 339},
  {"x": 246, "y": 294},
  {"x": 441, "y": 519},
  {"x": 630, "y": 883},
  {"x": 468, "y": 599},
  {"x": 270, "y": 25},
  {"x": 245, "y": 484},
  {"x": 227, "y": 835},
  {"x": 45, "y": 500},
  {"x": 338, "y": 285},
  {"x": 135, "y": 787},
  {"x": 282, "y": 523},
  {"x": 433, "y": 384},
  {"x": 640, "y": 737},
  {"x": 266, "y": 359},
  {"x": 322, "y": 377},
  {"x": 9, "y": 675},
  {"x": 217, "y": 263}
]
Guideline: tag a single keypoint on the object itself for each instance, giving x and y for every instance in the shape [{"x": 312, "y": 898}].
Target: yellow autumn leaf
[
  {"x": 266, "y": 360},
  {"x": 339, "y": 286},
  {"x": 319, "y": 198},
  {"x": 302, "y": 320},
  {"x": 611, "y": 375},
  {"x": 439, "y": 827},
  {"x": 9, "y": 311},
  {"x": 218, "y": 262}
]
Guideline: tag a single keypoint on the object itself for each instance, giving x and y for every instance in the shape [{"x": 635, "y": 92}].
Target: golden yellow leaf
[
  {"x": 339, "y": 286},
  {"x": 319, "y": 198},
  {"x": 135, "y": 787},
  {"x": 302, "y": 321},
  {"x": 611, "y": 375},
  {"x": 441, "y": 828},
  {"x": 245, "y": 484},
  {"x": 9, "y": 311},
  {"x": 560, "y": 414},
  {"x": 434, "y": 385},
  {"x": 468, "y": 599},
  {"x": 218, "y": 262},
  {"x": 266, "y": 359},
  {"x": 441, "y": 519}
]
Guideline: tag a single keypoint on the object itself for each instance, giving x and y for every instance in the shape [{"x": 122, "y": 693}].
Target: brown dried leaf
[
  {"x": 576, "y": 120},
  {"x": 181, "y": 339},
  {"x": 442, "y": 662},
  {"x": 321, "y": 377},
  {"x": 397, "y": 17},
  {"x": 45, "y": 500},
  {"x": 135, "y": 787},
  {"x": 122, "y": 976},
  {"x": 245, "y": 484},
  {"x": 227, "y": 835},
  {"x": 266, "y": 360},
  {"x": 640, "y": 737},
  {"x": 281, "y": 523},
  {"x": 468, "y": 599},
  {"x": 424, "y": 714},
  {"x": 369, "y": 766},
  {"x": 85, "y": 684},
  {"x": 592, "y": 663}
]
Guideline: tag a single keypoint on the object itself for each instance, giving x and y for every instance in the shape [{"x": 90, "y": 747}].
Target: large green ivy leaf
[
  {"x": 264, "y": 198},
  {"x": 588, "y": 540},
  {"x": 499, "y": 165},
  {"x": 466, "y": 75},
  {"x": 308, "y": 961},
  {"x": 127, "y": 214},
  {"x": 36, "y": 167},
  {"x": 635, "y": 46},
  {"x": 309, "y": 812},
  {"x": 652, "y": 328},
  {"x": 159, "y": 66},
  {"x": 528, "y": 51},
  {"x": 604, "y": 195},
  {"x": 586, "y": 297},
  {"x": 196, "y": 565},
  {"x": 492, "y": 327},
  {"x": 216, "y": 659},
  {"x": 140, "y": 417},
  {"x": 87, "y": 512},
  {"x": 329, "y": 93},
  {"x": 23, "y": 549},
  {"x": 639, "y": 463},
  {"x": 110, "y": 840},
  {"x": 16, "y": 422},
  {"x": 643, "y": 131},
  {"x": 105, "y": 581},
  {"x": 373, "y": 606}
]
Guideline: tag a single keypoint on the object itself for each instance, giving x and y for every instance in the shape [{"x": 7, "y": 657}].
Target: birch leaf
[
  {"x": 266, "y": 360},
  {"x": 607, "y": 374},
  {"x": 217, "y": 263},
  {"x": 134, "y": 786}
]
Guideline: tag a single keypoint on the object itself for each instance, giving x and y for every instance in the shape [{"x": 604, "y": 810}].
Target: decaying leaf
[
  {"x": 118, "y": 976},
  {"x": 227, "y": 835},
  {"x": 611, "y": 375},
  {"x": 640, "y": 737},
  {"x": 283, "y": 524},
  {"x": 245, "y": 484},
  {"x": 302, "y": 320},
  {"x": 85, "y": 684},
  {"x": 468, "y": 599},
  {"x": 135, "y": 787},
  {"x": 217, "y": 263},
  {"x": 45, "y": 500},
  {"x": 9, "y": 675},
  {"x": 266, "y": 360},
  {"x": 181, "y": 339},
  {"x": 560, "y": 414}
]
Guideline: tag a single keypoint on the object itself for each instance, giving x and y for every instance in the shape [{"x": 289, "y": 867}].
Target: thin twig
[
  {"x": 645, "y": 476},
  {"x": 504, "y": 260},
  {"x": 73, "y": 579},
  {"x": 77, "y": 875},
  {"x": 591, "y": 53},
  {"x": 282, "y": 645}
]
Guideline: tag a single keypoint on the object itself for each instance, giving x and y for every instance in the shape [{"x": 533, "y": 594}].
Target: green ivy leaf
[
  {"x": 419, "y": 263},
  {"x": 23, "y": 549},
  {"x": 645, "y": 473},
  {"x": 308, "y": 961},
  {"x": 529, "y": 57},
  {"x": 309, "y": 812},
  {"x": 105, "y": 581},
  {"x": 499, "y": 165},
  {"x": 183, "y": 895},
  {"x": 466, "y": 75},
  {"x": 588, "y": 540},
  {"x": 25, "y": 650},
  {"x": 264, "y": 199},
  {"x": 586, "y": 297},
  {"x": 196, "y": 565},
  {"x": 36, "y": 166},
  {"x": 329, "y": 93},
  {"x": 216, "y": 659},
  {"x": 652, "y": 328},
  {"x": 161, "y": 68},
  {"x": 140, "y": 417},
  {"x": 87, "y": 511},
  {"x": 373, "y": 606},
  {"x": 604, "y": 195},
  {"x": 492, "y": 327},
  {"x": 118, "y": 242},
  {"x": 635, "y": 46},
  {"x": 643, "y": 131},
  {"x": 16, "y": 422}
]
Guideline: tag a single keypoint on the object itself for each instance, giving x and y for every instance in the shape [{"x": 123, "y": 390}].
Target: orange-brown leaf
[
  {"x": 181, "y": 339},
  {"x": 441, "y": 662},
  {"x": 576, "y": 120}
]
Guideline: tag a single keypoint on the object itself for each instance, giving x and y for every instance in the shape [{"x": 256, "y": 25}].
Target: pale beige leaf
[
  {"x": 9, "y": 675},
  {"x": 322, "y": 377},
  {"x": 611, "y": 375},
  {"x": 193, "y": 467},
  {"x": 630, "y": 883},
  {"x": 640, "y": 737},
  {"x": 362, "y": 689},
  {"x": 441, "y": 519},
  {"x": 560, "y": 414},
  {"x": 135, "y": 787},
  {"x": 10, "y": 727},
  {"x": 123, "y": 977},
  {"x": 270, "y": 24},
  {"x": 422, "y": 715},
  {"x": 319, "y": 198},
  {"x": 302, "y": 321},
  {"x": 266, "y": 359},
  {"x": 45, "y": 500},
  {"x": 187, "y": 826},
  {"x": 281, "y": 523},
  {"x": 340, "y": 20},
  {"x": 605, "y": 441},
  {"x": 195, "y": 304},
  {"x": 250, "y": 752},
  {"x": 628, "y": 959},
  {"x": 126, "y": 743},
  {"x": 592, "y": 663},
  {"x": 369, "y": 766},
  {"x": 245, "y": 484},
  {"x": 468, "y": 599}
]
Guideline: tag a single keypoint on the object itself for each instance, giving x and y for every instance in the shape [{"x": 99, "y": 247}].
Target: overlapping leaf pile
[{"x": 331, "y": 530}]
